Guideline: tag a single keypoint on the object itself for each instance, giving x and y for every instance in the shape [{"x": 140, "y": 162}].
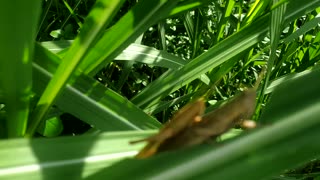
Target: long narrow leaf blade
[
  {"x": 99, "y": 17},
  {"x": 90, "y": 101},
  {"x": 127, "y": 29},
  {"x": 56, "y": 158},
  {"x": 17, "y": 34},
  {"x": 215, "y": 56}
]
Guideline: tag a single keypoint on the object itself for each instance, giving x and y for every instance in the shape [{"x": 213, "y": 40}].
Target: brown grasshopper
[
  {"x": 190, "y": 127},
  {"x": 184, "y": 118},
  {"x": 214, "y": 123}
]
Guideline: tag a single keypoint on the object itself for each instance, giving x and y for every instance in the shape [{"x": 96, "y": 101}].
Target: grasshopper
[
  {"x": 184, "y": 118},
  {"x": 214, "y": 123},
  {"x": 190, "y": 127}
]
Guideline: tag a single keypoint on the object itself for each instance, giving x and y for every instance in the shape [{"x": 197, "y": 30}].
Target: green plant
[{"x": 223, "y": 44}]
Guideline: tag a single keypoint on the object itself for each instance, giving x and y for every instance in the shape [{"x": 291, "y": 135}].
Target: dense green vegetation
[{"x": 80, "y": 79}]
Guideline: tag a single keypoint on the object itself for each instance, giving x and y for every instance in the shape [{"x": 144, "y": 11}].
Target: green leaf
[
  {"x": 151, "y": 56},
  {"x": 188, "y": 5},
  {"x": 302, "y": 30},
  {"x": 215, "y": 56},
  {"x": 51, "y": 127},
  {"x": 77, "y": 157},
  {"x": 227, "y": 13},
  {"x": 56, "y": 33},
  {"x": 125, "y": 31},
  {"x": 256, "y": 10},
  {"x": 89, "y": 100},
  {"x": 17, "y": 33},
  {"x": 100, "y": 16},
  {"x": 276, "y": 83},
  {"x": 277, "y": 18},
  {"x": 134, "y": 52}
]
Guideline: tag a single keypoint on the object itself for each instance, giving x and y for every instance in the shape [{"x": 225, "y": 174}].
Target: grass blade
[
  {"x": 215, "y": 56},
  {"x": 89, "y": 100},
  {"x": 16, "y": 48},
  {"x": 98, "y": 18},
  {"x": 134, "y": 52},
  {"x": 221, "y": 52},
  {"x": 277, "y": 17},
  {"x": 78, "y": 157},
  {"x": 125, "y": 31}
]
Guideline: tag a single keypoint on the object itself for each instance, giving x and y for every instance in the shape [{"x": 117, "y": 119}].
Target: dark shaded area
[
  {"x": 71, "y": 151},
  {"x": 309, "y": 171},
  {"x": 56, "y": 16},
  {"x": 73, "y": 125}
]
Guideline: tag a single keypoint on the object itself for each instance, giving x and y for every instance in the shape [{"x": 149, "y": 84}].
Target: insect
[
  {"x": 214, "y": 123},
  {"x": 190, "y": 127},
  {"x": 184, "y": 118}
]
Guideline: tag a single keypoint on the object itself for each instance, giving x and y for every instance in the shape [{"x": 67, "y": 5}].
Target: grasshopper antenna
[{"x": 260, "y": 78}]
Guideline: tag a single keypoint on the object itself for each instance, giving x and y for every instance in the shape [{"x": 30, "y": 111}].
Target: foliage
[{"x": 112, "y": 70}]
